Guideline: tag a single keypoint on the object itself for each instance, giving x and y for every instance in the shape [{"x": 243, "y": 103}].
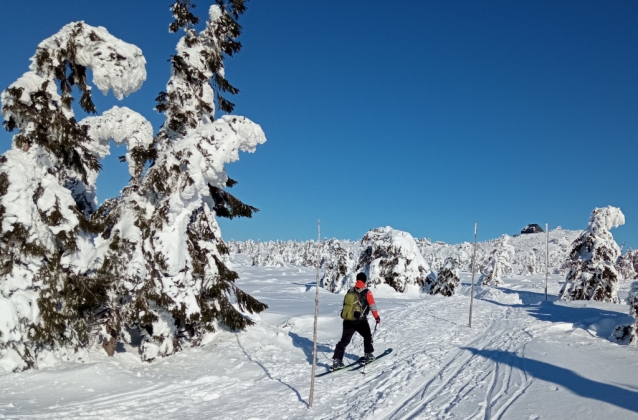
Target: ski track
[{"x": 429, "y": 380}]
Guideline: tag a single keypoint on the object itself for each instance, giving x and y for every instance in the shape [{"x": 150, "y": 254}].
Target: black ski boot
[
  {"x": 367, "y": 358},
  {"x": 336, "y": 364}
]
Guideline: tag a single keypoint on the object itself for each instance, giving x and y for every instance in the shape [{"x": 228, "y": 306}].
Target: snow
[
  {"x": 524, "y": 358},
  {"x": 117, "y": 65},
  {"x": 123, "y": 126}
]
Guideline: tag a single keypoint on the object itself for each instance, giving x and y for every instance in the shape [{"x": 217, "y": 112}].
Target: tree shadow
[
  {"x": 306, "y": 345},
  {"x": 566, "y": 378},
  {"x": 268, "y": 373},
  {"x": 528, "y": 297},
  {"x": 309, "y": 286},
  {"x": 598, "y": 322}
]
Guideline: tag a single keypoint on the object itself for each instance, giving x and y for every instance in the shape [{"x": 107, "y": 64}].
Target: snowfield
[{"x": 522, "y": 359}]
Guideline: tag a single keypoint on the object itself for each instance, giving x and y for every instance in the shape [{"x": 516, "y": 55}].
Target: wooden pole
[
  {"x": 473, "y": 270},
  {"x": 314, "y": 338},
  {"x": 546, "y": 258}
]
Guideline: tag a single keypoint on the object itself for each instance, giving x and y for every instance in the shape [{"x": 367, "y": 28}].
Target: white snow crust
[{"x": 522, "y": 359}]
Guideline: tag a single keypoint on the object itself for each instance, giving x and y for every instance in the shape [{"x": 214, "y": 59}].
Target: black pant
[{"x": 349, "y": 328}]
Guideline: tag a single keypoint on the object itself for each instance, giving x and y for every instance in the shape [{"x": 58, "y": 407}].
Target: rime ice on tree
[
  {"x": 338, "y": 266},
  {"x": 47, "y": 192},
  {"x": 161, "y": 239},
  {"x": 592, "y": 274},
  {"x": 628, "y": 334},
  {"x": 392, "y": 257},
  {"x": 447, "y": 279},
  {"x": 626, "y": 265},
  {"x": 498, "y": 263}
]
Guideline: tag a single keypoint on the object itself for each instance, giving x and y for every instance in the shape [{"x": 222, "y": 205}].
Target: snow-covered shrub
[
  {"x": 161, "y": 241},
  {"x": 392, "y": 257},
  {"x": 592, "y": 274},
  {"x": 498, "y": 263},
  {"x": 628, "y": 334},
  {"x": 47, "y": 192},
  {"x": 447, "y": 279}
]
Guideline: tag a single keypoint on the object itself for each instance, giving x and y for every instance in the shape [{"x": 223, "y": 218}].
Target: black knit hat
[{"x": 362, "y": 277}]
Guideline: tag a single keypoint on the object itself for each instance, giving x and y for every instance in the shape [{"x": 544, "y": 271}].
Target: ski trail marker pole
[
  {"x": 546, "y": 258},
  {"x": 473, "y": 262},
  {"x": 314, "y": 338}
]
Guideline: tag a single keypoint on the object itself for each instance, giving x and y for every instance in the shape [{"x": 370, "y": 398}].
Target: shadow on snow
[
  {"x": 566, "y": 378},
  {"x": 268, "y": 373},
  {"x": 598, "y": 322},
  {"x": 305, "y": 344}
]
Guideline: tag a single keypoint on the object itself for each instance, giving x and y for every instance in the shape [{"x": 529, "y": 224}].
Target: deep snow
[{"x": 522, "y": 359}]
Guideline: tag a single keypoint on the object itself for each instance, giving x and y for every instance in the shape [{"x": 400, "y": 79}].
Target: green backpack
[{"x": 351, "y": 309}]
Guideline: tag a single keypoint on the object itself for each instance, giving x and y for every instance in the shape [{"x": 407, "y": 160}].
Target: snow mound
[{"x": 496, "y": 295}]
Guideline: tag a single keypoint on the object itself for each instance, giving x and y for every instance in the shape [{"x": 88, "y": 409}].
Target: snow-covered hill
[{"x": 523, "y": 358}]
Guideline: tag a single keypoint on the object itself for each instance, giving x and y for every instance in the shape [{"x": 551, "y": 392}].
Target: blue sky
[{"x": 425, "y": 116}]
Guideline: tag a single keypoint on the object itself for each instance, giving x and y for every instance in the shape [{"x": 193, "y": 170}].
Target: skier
[{"x": 357, "y": 303}]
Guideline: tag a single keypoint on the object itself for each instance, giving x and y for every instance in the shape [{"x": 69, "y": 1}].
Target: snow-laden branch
[{"x": 117, "y": 65}]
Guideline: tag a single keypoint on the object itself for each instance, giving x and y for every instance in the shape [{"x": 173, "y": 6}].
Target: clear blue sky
[{"x": 423, "y": 115}]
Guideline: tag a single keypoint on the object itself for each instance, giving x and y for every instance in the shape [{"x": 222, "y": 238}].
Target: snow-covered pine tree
[
  {"x": 625, "y": 265},
  {"x": 592, "y": 274},
  {"x": 47, "y": 191},
  {"x": 628, "y": 334},
  {"x": 337, "y": 267},
  {"x": 161, "y": 239},
  {"x": 447, "y": 279},
  {"x": 392, "y": 257},
  {"x": 498, "y": 263}
]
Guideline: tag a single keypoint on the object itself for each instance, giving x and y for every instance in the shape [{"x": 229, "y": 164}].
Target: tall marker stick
[
  {"x": 546, "y": 258},
  {"x": 314, "y": 338},
  {"x": 473, "y": 262}
]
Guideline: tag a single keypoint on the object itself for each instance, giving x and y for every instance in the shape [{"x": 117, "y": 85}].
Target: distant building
[{"x": 532, "y": 228}]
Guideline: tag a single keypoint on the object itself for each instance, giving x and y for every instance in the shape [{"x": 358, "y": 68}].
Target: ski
[
  {"x": 357, "y": 362},
  {"x": 337, "y": 370},
  {"x": 361, "y": 365}
]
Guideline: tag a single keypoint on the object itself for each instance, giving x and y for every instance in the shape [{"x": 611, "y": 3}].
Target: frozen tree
[
  {"x": 447, "y": 279},
  {"x": 592, "y": 274},
  {"x": 628, "y": 334},
  {"x": 47, "y": 192},
  {"x": 625, "y": 265},
  {"x": 337, "y": 267},
  {"x": 161, "y": 239},
  {"x": 498, "y": 263},
  {"x": 392, "y": 257}
]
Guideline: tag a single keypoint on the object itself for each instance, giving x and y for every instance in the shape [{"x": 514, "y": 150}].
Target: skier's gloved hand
[{"x": 378, "y": 319}]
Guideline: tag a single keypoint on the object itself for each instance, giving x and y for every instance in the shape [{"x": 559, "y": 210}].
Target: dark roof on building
[{"x": 532, "y": 228}]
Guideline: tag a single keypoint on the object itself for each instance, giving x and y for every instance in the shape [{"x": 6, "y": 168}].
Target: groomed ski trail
[{"x": 438, "y": 369}]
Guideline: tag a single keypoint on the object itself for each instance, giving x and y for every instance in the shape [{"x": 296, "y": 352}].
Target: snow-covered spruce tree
[
  {"x": 392, "y": 257},
  {"x": 161, "y": 239},
  {"x": 625, "y": 265},
  {"x": 47, "y": 192},
  {"x": 592, "y": 274},
  {"x": 628, "y": 334},
  {"x": 498, "y": 263},
  {"x": 337, "y": 266},
  {"x": 447, "y": 279}
]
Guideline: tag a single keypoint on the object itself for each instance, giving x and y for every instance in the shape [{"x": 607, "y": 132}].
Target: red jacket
[{"x": 373, "y": 306}]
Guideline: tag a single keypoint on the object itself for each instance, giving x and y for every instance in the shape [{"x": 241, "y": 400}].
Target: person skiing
[{"x": 357, "y": 303}]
